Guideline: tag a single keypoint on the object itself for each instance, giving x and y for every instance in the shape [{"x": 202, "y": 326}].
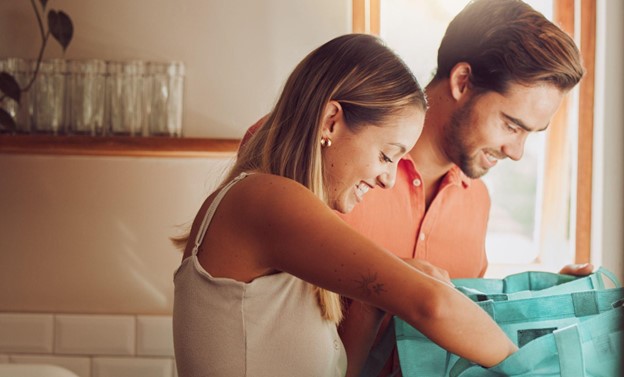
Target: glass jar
[
  {"x": 126, "y": 97},
  {"x": 166, "y": 88},
  {"x": 49, "y": 107},
  {"x": 86, "y": 84}
]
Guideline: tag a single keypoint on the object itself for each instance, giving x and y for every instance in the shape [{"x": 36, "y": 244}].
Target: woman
[{"x": 254, "y": 295}]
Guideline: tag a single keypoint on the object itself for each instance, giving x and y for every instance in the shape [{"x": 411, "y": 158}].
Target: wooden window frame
[{"x": 366, "y": 16}]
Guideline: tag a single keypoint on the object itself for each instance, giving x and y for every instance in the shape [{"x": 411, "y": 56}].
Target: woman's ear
[
  {"x": 459, "y": 80},
  {"x": 332, "y": 119}
]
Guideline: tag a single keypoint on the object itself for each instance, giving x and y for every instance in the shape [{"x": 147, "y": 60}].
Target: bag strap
[
  {"x": 569, "y": 348},
  {"x": 578, "y": 304}
]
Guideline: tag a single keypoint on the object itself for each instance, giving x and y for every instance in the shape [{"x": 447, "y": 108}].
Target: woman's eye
[{"x": 385, "y": 158}]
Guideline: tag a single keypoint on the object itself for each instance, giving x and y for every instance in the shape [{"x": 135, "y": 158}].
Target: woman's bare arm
[
  {"x": 298, "y": 234},
  {"x": 361, "y": 324}
]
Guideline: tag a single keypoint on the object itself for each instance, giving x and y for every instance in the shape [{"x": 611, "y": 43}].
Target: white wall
[{"x": 90, "y": 234}]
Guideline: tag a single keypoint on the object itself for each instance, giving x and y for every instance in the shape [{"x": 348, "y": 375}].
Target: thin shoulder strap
[{"x": 211, "y": 210}]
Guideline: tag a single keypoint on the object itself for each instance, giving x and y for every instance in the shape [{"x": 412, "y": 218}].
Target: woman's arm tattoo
[{"x": 369, "y": 284}]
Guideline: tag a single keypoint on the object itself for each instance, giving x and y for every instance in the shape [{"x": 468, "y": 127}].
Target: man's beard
[{"x": 458, "y": 145}]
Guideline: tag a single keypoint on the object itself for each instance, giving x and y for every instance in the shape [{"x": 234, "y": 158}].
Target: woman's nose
[{"x": 387, "y": 179}]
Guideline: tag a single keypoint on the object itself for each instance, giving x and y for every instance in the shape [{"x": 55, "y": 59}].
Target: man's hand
[
  {"x": 577, "y": 269},
  {"x": 429, "y": 269}
]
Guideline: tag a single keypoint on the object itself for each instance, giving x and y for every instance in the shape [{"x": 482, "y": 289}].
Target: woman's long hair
[{"x": 370, "y": 82}]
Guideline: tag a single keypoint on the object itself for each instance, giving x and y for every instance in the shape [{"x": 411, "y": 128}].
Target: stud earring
[{"x": 326, "y": 142}]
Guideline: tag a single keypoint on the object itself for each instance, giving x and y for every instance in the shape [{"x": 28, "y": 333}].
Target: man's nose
[{"x": 515, "y": 149}]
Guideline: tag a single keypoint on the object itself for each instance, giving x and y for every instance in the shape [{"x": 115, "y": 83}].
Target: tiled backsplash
[{"x": 90, "y": 345}]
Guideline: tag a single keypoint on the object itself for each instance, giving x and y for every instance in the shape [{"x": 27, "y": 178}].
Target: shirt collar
[
  {"x": 453, "y": 177},
  {"x": 457, "y": 177}
]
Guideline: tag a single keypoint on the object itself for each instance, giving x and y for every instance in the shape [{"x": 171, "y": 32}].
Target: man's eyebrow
[{"x": 521, "y": 124}]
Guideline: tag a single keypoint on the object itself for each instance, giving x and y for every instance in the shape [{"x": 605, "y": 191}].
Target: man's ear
[
  {"x": 332, "y": 119},
  {"x": 459, "y": 80}
]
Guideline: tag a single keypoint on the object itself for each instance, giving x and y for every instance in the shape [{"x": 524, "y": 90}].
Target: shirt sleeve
[{"x": 251, "y": 131}]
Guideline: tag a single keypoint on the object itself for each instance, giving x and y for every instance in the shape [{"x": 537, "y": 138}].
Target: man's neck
[{"x": 429, "y": 157}]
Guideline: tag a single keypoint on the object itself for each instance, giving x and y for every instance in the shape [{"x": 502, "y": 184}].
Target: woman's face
[{"x": 362, "y": 160}]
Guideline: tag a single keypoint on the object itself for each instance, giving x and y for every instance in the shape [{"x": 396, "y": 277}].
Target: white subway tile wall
[
  {"x": 95, "y": 335},
  {"x": 90, "y": 345},
  {"x": 80, "y": 365},
  {"x": 154, "y": 336},
  {"x": 131, "y": 367},
  {"x": 26, "y": 332}
]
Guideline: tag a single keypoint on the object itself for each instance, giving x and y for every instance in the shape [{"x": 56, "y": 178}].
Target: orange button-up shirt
[{"x": 450, "y": 234}]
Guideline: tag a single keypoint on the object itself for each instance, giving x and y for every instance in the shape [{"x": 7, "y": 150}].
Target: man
[{"x": 503, "y": 70}]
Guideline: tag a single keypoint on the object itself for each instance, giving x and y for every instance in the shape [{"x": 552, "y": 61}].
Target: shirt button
[
  {"x": 416, "y": 182},
  {"x": 422, "y": 236},
  {"x": 336, "y": 345}
]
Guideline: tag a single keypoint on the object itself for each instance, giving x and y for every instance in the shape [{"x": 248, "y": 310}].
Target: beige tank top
[{"x": 271, "y": 326}]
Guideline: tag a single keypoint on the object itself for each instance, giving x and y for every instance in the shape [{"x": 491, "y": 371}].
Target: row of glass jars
[{"x": 97, "y": 97}]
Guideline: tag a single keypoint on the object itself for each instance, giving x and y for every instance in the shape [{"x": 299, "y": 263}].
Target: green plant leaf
[
  {"x": 43, "y": 3},
  {"x": 6, "y": 120},
  {"x": 9, "y": 86},
  {"x": 61, "y": 27}
]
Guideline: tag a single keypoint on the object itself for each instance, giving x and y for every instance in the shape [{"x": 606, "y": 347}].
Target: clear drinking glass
[
  {"x": 166, "y": 82},
  {"x": 125, "y": 100},
  {"x": 22, "y": 71},
  {"x": 86, "y": 85},
  {"x": 49, "y": 113}
]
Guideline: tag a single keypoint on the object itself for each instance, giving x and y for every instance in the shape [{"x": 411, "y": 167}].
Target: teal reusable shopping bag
[
  {"x": 513, "y": 287},
  {"x": 592, "y": 348},
  {"x": 523, "y": 320},
  {"x": 524, "y": 315}
]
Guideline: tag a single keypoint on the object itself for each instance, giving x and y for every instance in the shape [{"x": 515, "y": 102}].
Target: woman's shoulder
[
  {"x": 270, "y": 193},
  {"x": 272, "y": 185}
]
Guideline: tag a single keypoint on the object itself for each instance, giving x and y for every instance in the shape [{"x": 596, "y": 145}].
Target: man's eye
[
  {"x": 385, "y": 158},
  {"x": 510, "y": 128}
]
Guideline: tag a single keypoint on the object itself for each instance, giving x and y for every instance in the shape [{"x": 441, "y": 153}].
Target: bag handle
[
  {"x": 569, "y": 348},
  {"x": 601, "y": 273}
]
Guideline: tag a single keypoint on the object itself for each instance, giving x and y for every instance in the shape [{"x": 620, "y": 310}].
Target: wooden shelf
[{"x": 133, "y": 146}]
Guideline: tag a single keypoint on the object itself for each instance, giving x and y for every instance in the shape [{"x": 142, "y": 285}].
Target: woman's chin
[{"x": 345, "y": 207}]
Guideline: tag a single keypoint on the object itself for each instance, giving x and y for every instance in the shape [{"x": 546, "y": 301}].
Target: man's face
[{"x": 489, "y": 127}]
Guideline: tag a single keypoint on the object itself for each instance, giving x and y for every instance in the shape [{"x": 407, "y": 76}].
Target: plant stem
[
  {"x": 44, "y": 40},
  {"x": 38, "y": 18}
]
